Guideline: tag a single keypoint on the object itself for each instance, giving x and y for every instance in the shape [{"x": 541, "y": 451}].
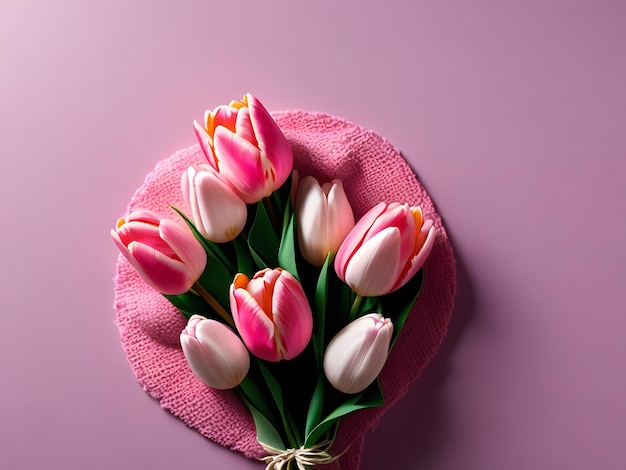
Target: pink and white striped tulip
[
  {"x": 245, "y": 145},
  {"x": 214, "y": 353},
  {"x": 272, "y": 314},
  {"x": 323, "y": 218},
  {"x": 387, "y": 247},
  {"x": 356, "y": 355},
  {"x": 216, "y": 210},
  {"x": 166, "y": 254}
]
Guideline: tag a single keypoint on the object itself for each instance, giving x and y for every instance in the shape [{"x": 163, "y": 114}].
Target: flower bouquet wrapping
[{"x": 270, "y": 283}]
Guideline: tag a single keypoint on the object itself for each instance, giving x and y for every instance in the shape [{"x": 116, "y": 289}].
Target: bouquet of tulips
[{"x": 289, "y": 302}]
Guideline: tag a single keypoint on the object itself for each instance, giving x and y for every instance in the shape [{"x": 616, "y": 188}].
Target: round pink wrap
[{"x": 372, "y": 170}]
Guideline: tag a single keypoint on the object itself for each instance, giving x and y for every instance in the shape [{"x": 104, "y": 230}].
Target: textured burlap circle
[{"x": 372, "y": 171}]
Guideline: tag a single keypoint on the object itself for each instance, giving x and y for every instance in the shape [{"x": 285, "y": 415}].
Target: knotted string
[{"x": 305, "y": 458}]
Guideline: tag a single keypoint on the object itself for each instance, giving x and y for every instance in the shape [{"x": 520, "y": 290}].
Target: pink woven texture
[{"x": 372, "y": 170}]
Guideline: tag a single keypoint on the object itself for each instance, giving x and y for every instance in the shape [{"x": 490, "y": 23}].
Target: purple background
[{"x": 513, "y": 114}]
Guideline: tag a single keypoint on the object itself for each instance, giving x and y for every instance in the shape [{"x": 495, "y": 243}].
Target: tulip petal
[
  {"x": 292, "y": 316},
  {"x": 261, "y": 288},
  {"x": 196, "y": 358},
  {"x": 395, "y": 215},
  {"x": 222, "y": 213},
  {"x": 243, "y": 126},
  {"x": 206, "y": 143},
  {"x": 238, "y": 104},
  {"x": 124, "y": 250},
  {"x": 357, "y": 354},
  {"x": 420, "y": 258},
  {"x": 342, "y": 354},
  {"x": 226, "y": 355},
  {"x": 255, "y": 328},
  {"x": 240, "y": 163},
  {"x": 375, "y": 357},
  {"x": 340, "y": 216},
  {"x": 216, "y": 366},
  {"x": 355, "y": 238},
  {"x": 185, "y": 245},
  {"x": 225, "y": 116},
  {"x": 271, "y": 141},
  {"x": 312, "y": 221},
  {"x": 240, "y": 281},
  {"x": 164, "y": 274},
  {"x": 143, "y": 215},
  {"x": 188, "y": 189},
  {"x": 373, "y": 268},
  {"x": 409, "y": 230},
  {"x": 193, "y": 321},
  {"x": 417, "y": 216},
  {"x": 145, "y": 233},
  {"x": 424, "y": 232}
]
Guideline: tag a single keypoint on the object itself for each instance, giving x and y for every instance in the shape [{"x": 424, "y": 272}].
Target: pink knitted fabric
[{"x": 372, "y": 170}]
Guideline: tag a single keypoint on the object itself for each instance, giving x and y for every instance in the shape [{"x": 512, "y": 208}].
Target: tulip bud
[
  {"x": 387, "y": 247},
  {"x": 166, "y": 254},
  {"x": 245, "y": 146},
  {"x": 214, "y": 353},
  {"x": 272, "y": 314},
  {"x": 323, "y": 218},
  {"x": 356, "y": 355},
  {"x": 216, "y": 210}
]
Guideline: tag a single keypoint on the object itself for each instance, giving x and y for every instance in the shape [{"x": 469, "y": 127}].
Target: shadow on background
[{"x": 413, "y": 432}]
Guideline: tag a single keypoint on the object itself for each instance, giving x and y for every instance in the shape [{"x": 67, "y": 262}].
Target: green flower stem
[
  {"x": 214, "y": 304},
  {"x": 293, "y": 442},
  {"x": 294, "y": 428},
  {"x": 355, "y": 307}
]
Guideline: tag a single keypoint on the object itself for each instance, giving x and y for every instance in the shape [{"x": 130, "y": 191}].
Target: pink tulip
[
  {"x": 165, "y": 253},
  {"x": 323, "y": 218},
  {"x": 272, "y": 314},
  {"x": 356, "y": 355},
  {"x": 385, "y": 249},
  {"x": 216, "y": 210},
  {"x": 214, "y": 353},
  {"x": 244, "y": 144}
]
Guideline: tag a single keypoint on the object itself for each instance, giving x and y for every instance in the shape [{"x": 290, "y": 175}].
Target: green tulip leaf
[
  {"x": 369, "y": 305},
  {"x": 277, "y": 394},
  {"x": 263, "y": 240},
  {"x": 398, "y": 304},
  {"x": 245, "y": 260},
  {"x": 254, "y": 395},
  {"x": 287, "y": 249},
  {"x": 316, "y": 406},
  {"x": 258, "y": 260},
  {"x": 319, "y": 323},
  {"x": 265, "y": 430},
  {"x": 287, "y": 213},
  {"x": 189, "y": 304},
  {"x": 371, "y": 397},
  {"x": 345, "y": 298},
  {"x": 281, "y": 198},
  {"x": 216, "y": 280}
]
